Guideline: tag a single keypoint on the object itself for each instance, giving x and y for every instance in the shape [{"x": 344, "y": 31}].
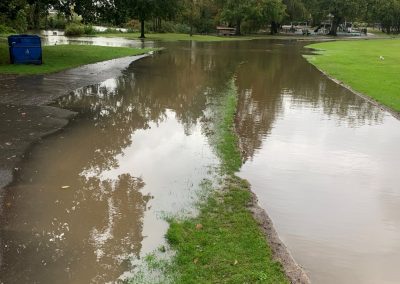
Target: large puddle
[
  {"x": 57, "y": 37},
  {"x": 91, "y": 200},
  {"x": 324, "y": 164}
]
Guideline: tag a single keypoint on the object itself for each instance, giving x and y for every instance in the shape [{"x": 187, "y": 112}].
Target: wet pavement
[
  {"x": 20, "y": 126},
  {"x": 44, "y": 89},
  {"x": 90, "y": 200}
]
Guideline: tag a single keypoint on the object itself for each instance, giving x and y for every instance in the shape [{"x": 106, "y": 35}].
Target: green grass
[
  {"x": 358, "y": 65},
  {"x": 185, "y": 37},
  {"x": 61, "y": 57},
  {"x": 223, "y": 244},
  {"x": 227, "y": 142}
]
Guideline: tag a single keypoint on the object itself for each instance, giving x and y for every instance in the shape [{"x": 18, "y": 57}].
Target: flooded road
[{"x": 90, "y": 200}]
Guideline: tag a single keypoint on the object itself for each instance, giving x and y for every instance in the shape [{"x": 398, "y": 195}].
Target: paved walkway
[{"x": 24, "y": 115}]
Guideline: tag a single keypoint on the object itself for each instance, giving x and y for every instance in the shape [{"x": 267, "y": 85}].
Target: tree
[
  {"x": 237, "y": 11},
  {"x": 295, "y": 10},
  {"x": 272, "y": 11},
  {"x": 142, "y": 10},
  {"x": 386, "y": 12},
  {"x": 340, "y": 10}
]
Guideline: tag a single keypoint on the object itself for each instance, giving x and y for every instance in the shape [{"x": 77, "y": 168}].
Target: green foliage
[
  {"x": 57, "y": 22},
  {"x": 4, "y": 30},
  {"x": 88, "y": 30},
  {"x": 61, "y": 57},
  {"x": 352, "y": 61},
  {"x": 21, "y": 23},
  {"x": 387, "y": 12},
  {"x": 75, "y": 29}
]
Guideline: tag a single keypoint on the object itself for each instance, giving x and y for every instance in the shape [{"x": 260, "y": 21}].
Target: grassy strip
[
  {"x": 178, "y": 37},
  {"x": 224, "y": 244},
  {"x": 358, "y": 65},
  {"x": 61, "y": 57}
]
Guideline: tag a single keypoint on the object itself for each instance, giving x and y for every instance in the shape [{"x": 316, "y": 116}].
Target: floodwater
[
  {"x": 90, "y": 200},
  {"x": 57, "y": 37},
  {"x": 324, "y": 164}
]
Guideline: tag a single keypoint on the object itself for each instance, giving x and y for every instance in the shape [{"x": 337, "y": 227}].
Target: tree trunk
[
  {"x": 36, "y": 16},
  {"x": 335, "y": 25},
  {"x": 238, "y": 24},
  {"x": 142, "y": 28},
  {"x": 274, "y": 28}
]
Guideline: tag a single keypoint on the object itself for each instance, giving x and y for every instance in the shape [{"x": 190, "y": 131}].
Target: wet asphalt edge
[{"x": 61, "y": 118}]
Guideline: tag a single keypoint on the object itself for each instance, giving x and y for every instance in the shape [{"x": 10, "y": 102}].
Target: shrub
[
  {"x": 6, "y": 30},
  {"x": 57, "y": 22},
  {"x": 20, "y": 23},
  {"x": 74, "y": 29},
  {"x": 182, "y": 28},
  {"x": 89, "y": 30}
]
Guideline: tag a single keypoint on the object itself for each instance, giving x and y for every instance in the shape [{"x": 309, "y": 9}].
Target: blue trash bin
[{"x": 25, "y": 49}]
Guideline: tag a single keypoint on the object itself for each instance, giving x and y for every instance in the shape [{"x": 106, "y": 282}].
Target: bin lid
[{"x": 26, "y": 39}]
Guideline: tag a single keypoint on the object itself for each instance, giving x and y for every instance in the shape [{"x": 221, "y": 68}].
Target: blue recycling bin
[{"x": 25, "y": 49}]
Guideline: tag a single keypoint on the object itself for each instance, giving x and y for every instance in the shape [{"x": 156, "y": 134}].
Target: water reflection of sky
[{"x": 56, "y": 39}]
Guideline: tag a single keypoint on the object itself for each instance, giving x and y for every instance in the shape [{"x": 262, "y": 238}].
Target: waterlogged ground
[{"x": 90, "y": 200}]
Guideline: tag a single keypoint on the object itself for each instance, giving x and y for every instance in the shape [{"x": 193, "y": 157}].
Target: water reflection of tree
[
  {"x": 179, "y": 79},
  {"x": 274, "y": 73}
]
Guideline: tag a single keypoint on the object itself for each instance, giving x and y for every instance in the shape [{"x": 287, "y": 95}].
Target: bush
[
  {"x": 75, "y": 29},
  {"x": 57, "y": 22},
  {"x": 6, "y": 30},
  {"x": 182, "y": 28},
  {"x": 89, "y": 30},
  {"x": 20, "y": 23},
  {"x": 168, "y": 27}
]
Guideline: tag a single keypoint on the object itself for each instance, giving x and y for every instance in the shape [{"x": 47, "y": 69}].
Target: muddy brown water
[{"x": 91, "y": 200}]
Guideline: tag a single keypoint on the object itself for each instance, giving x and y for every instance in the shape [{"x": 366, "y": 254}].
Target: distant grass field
[
  {"x": 358, "y": 65},
  {"x": 61, "y": 57},
  {"x": 178, "y": 37}
]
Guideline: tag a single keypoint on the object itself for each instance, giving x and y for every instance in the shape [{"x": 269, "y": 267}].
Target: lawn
[
  {"x": 180, "y": 37},
  {"x": 359, "y": 65},
  {"x": 61, "y": 57}
]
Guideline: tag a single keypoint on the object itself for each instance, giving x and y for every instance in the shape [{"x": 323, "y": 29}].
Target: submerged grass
[
  {"x": 223, "y": 244},
  {"x": 62, "y": 57},
  {"x": 359, "y": 65}
]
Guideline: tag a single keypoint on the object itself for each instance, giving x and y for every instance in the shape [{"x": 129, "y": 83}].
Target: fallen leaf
[
  {"x": 236, "y": 262},
  {"x": 199, "y": 226},
  {"x": 195, "y": 260}
]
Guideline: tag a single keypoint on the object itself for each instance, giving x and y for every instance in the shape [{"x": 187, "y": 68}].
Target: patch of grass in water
[
  {"x": 223, "y": 244},
  {"x": 228, "y": 247},
  {"x": 226, "y": 139}
]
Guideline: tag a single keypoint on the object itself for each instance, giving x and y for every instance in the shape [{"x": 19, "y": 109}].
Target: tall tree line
[{"x": 203, "y": 16}]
